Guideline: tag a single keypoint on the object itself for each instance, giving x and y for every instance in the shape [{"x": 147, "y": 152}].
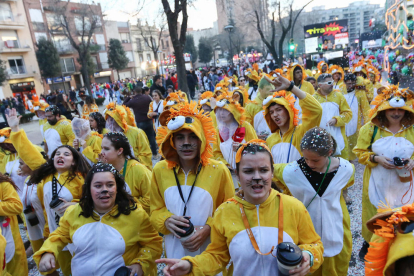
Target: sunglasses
[
  {"x": 242, "y": 79},
  {"x": 328, "y": 82}
]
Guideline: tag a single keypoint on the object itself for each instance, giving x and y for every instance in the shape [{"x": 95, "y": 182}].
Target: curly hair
[
  {"x": 119, "y": 140},
  {"x": 100, "y": 121}
]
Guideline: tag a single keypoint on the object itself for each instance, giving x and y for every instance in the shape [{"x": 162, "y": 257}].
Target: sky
[{"x": 200, "y": 16}]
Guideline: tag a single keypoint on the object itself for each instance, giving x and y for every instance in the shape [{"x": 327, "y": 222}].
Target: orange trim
[{"x": 251, "y": 142}]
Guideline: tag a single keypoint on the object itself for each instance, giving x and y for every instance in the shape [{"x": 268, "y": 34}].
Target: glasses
[
  {"x": 328, "y": 82},
  {"x": 242, "y": 79}
]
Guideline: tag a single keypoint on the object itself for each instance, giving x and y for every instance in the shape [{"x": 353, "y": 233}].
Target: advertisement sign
[
  {"x": 341, "y": 38},
  {"x": 49, "y": 80},
  {"x": 330, "y": 28},
  {"x": 371, "y": 43},
  {"x": 328, "y": 35},
  {"x": 311, "y": 44},
  {"x": 67, "y": 78},
  {"x": 57, "y": 79}
]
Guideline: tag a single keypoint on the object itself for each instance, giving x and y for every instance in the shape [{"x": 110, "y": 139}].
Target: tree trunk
[
  {"x": 117, "y": 72},
  {"x": 157, "y": 68},
  {"x": 85, "y": 74},
  {"x": 181, "y": 72}
]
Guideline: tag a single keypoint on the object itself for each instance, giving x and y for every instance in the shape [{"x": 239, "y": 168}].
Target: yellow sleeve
[
  {"x": 273, "y": 139},
  {"x": 249, "y": 112},
  {"x": 56, "y": 241},
  {"x": 217, "y": 155},
  {"x": 144, "y": 153},
  {"x": 141, "y": 186},
  {"x": 93, "y": 148},
  {"x": 26, "y": 150},
  {"x": 159, "y": 212},
  {"x": 364, "y": 141},
  {"x": 40, "y": 196},
  {"x": 345, "y": 112},
  {"x": 150, "y": 110},
  {"x": 311, "y": 113},
  {"x": 94, "y": 108},
  {"x": 215, "y": 258},
  {"x": 2, "y": 252},
  {"x": 250, "y": 132},
  {"x": 10, "y": 204},
  {"x": 68, "y": 132},
  {"x": 150, "y": 246},
  {"x": 351, "y": 180},
  {"x": 365, "y": 107},
  {"x": 278, "y": 178}
]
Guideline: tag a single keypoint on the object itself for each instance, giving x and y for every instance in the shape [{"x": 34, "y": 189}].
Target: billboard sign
[{"x": 329, "y": 35}]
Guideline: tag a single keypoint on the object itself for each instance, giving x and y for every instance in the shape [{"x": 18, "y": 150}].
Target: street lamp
[{"x": 229, "y": 29}]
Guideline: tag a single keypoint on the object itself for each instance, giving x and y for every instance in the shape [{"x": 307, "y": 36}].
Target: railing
[
  {"x": 17, "y": 70},
  {"x": 14, "y": 46}
]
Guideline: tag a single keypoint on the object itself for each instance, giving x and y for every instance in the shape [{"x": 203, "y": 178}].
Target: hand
[
  {"x": 172, "y": 222},
  {"x": 47, "y": 262},
  {"x": 409, "y": 166},
  {"x": 101, "y": 158},
  {"x": 175, "y": 267},
  {"x": 65, "y": 205},
  {"x": 196, "y": 241},
  {"x": 385, "y": 162},
  {"x": 136, "y": 269},
  {"x": 280, "y": 83},
  {"x": 235, "y": 146},
  {"x": 13, "y": 120},
  {"x": 76, "y": 144},
  {"x": 332, "y": 122},
  {"x": 262, "y": 137},
  {"x": 153, "y": 114},
  {"x": 304, "y": 267}
]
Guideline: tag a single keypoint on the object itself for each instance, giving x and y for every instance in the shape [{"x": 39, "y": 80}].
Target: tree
[
  {"x": 3, "y": 72},
  {"x": 48, "y": 59},
  {"x": 152, "y": 37},
  {"x": 91, "y": 66},
  {"x": 117, "y": 58},
  {"x": 205, "y": 50},
  {"x": 190, "y": 48},
  {"x": 178, "y": 37},
  {"x": 77, "y": 24}
]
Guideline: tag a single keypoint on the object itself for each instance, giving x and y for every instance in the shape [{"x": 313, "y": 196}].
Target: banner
[
  {"x": 330, "y": 28},
  {"x": 328, "y": 36}
]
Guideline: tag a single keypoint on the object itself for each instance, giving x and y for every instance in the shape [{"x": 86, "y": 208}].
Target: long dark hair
[
  {"x": 126, "y": 203},
  {"x": 81, "y": 166},
  {"x": 119, "y": 140},
  {"x": 100, "y": 121},
  {"x": 89, "y": 101},
  {"x": 6, "y": 178},
  {"x": 406, "y": 120}
]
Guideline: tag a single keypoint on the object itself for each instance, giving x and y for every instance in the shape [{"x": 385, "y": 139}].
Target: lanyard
[
  {"x": 192, "y": 187},
  {"x": 327, "y": 169},
  {"x": 290, "y": 145},
  {"x": 250, "y": 233},
  {"x": 125, "y": 165}
]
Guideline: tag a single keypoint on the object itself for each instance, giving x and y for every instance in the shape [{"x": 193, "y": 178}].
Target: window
[
  {"x": 141, "y": 58},
  {"x": 148, "y": 57},
  {"x": 36, "y": 15},
  {"x": 9, "y": 39},
  {"x": 139, "y": 44},
  {"x": 53, "y": 22},
  {"x": 62, "y": 44},
  {"x": 17, "y": 66},
  {"x": 67, "y": 65},
  {"x": 125, "y": 38},
  {"x": 5, "y": 12},
  {"x": 82, "y": 24},
  {"x": 163, "y": 55},
  {"x": 129, "y": 56},
  {"x": 168, "y": 44},
  {"x": 38, "y": 36},
  {"x": 162, "y": 43}
]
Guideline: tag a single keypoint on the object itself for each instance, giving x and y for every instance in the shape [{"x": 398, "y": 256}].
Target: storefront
[
  {"x": 103, "y": 77},
  {"x": 21, "y": 88},
  {"x": 59, "y": 83}
]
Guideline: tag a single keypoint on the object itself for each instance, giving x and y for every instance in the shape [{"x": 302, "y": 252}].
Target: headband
[
  {"x": 104, "y": 167},
  {"x": 242, "y": 150},
  {"x": 117, "y": 135},
  {"x": 53, "y": 108}
]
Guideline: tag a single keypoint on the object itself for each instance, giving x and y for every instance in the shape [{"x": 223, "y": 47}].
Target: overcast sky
[{"x": 201, "y": 16}]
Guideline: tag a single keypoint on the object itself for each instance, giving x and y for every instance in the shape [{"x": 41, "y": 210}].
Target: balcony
[
  {"x": 101, "y": 66},
  {"x": 14, "y": 46},
  {"x": 64, "y": 49},
  {"x": 94, "y": 48},
  {"x": 19, "y": 72},
  {"x": 38, "y": 26},
  {"x": 9, "y": 23}
]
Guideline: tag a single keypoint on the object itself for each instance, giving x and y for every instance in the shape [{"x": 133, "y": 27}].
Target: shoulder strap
[{"x": 373, "y": 137}]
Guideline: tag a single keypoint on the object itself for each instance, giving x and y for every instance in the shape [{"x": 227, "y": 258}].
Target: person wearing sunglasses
[
  {"x": 242, "y": 82},
  {"x": 336, "y": 113}
]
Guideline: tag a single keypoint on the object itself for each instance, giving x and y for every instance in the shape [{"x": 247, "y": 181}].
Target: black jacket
[{"x": 191, "y": 82}]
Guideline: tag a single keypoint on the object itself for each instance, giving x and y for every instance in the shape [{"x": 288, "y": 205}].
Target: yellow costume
[
  {"x": 92, "y": 148},
  {"x": 328, "y": 212},
  {"x": 212, "y": 187},
  {"x": 361, "y": 67},
  {"x": 59, "y": 134},
  {"x": 138, "y": 178},
  {"x": 320, "y": 65},
  {"x": 382, "y": 185},
  {"x": 104, "y": 245},
  {"x": 136, "y": 137},
  {"x": 2, "y": 254},
  {"x": 229, "y": 238},
  {"x": 10, "y": 208},
  {"x": 340, "y": 85},
  {"x": 205, "y": 99},
  {"x": 335, "y": 106},
  {"x": 372, "y": 71},
  {"x": 253, "y": 91},
  {"x": 87, "y": 110},
  {"x": 358, "y": 103},
  {"x": 286, "y": 148},
  {"x": 304, "y": 85},
  {"x": 39, "y": 107}
]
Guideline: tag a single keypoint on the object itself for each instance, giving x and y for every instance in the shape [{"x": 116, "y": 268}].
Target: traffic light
[{"x": 291, "y": 47}]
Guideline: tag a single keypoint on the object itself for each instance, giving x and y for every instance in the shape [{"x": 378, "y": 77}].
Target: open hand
[
  {"x": 13, "y": 120},
  {"x": 175, "y": 267}
]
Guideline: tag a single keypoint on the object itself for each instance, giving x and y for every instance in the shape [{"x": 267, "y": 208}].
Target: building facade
[
  {"x": 18, "y": 52},
  {"x": 43, "y": 19},
  {"x": 121, "y": 31}
]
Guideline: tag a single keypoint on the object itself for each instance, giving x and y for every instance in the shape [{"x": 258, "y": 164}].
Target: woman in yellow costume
[
  {"x": 386, "y": 147},
  {"x": 117, "y": 152},
  {"x": 318, "y": 180},
  {"x": 97, "y": 123},
  {"x": 120, "y": 119},
  {"x": 89, "y": 107},
  {"x": 391, "y": 251},
  {"x": 232, "y": 130},
  {"x": 252, "y": 88},
  {"x": 204, "y": 102},
  {"x": 252, "y": 223},
  {"x": 360, "y": 70},
  {"x": 322, "y": 69},
  {"x": 10, "y": 208},
  {"x": 283, "y": 120},
  {"x": 241, "y": 96},
  {"x": 336, "y": 113},
  {"x": 87, "y": 142},
  {"x": 357, "y": 100},
  {"x": 338, "y": 76},
  {"x": 374, "y": 76},
  {"x": 39, "y": 108},
  {"x": 107, "y": 229}
]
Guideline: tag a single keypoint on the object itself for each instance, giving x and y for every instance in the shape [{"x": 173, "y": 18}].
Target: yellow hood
[
  {"x": 173, "y": 99},
  {"x": 118, "y": 113},
  {"x": 201, "y": 124},
  {"x": 374, "y": 71},
  {"x": 40, "y": 105},
  {"x": 292, "y": 69},
  {"x": 244, "y": 95},
  {"x": 285, "y": 100},
  {"x": 320, "y": 64},
  {"x": 337, "y": 69},
  {"x": 252, "y": 74},
  {"x": 226, "y": 102},
  {"x": 5, "y": 135},
  {"x": 205, "y": 98},
  {"x": 359, "y": 67}
]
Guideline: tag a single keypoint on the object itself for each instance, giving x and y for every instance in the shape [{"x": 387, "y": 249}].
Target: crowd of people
[{"x": 250, "y": 176}]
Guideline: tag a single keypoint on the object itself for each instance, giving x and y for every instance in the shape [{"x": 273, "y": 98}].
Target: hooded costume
[
  {"x": 255, "y": 78},
  {"x": 358, "y": 103},
  {"x": 88, "y": 110},
  {"x": 89, "y": 141},
  {"x": 232, "y": 128},
  {"x": 376, "y": 85},
  {"x": 286, "y": 148},
  {"x": 244, "y": 96},
  {"x": 334, "y": 105},
  {"x": 39, "y": 107},
  {"x": 212, "y": 181},
  {"x": 58, "y": 134},
  {"x": 320, "y": 65},
  {"x": 340, "y": 85},
  {"x": 391, "y": 241},
  {"x": 125, "y": 122},
  {"x": 380, "y": 185},
  {"x": 361, "y": 67},
  {"x": 10, "y": 208},
  {"x": 304, "y": 85},
  {"x": 279, "y": 218}
]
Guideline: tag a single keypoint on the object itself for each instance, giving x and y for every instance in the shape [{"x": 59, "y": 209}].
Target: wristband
[
  {"x": 311, "y": 257},
  {"x": 191, "y": 265},
  {"x": 292, "y": 84},
  {"x": 373, "y": 158}
]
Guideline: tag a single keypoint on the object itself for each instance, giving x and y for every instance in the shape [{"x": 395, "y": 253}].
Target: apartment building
[
  {"x": 121, "y": 31},
  {"x": 42, "y": 18},
  {"x": 17, "y": 51}
]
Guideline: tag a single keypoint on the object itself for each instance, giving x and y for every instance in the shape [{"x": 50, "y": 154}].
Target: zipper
[{"x": 260, "y": 238}]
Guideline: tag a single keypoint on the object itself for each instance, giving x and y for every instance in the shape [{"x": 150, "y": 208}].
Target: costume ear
[{"x": 163, "y": 117}]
